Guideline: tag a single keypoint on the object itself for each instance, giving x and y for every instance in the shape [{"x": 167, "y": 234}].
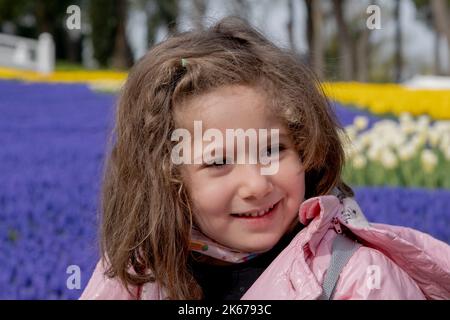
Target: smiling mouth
[{"x": 256, "y": 214}]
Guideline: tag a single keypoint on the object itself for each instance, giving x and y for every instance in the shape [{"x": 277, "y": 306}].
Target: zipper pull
[{"x": 337, "y": 225}]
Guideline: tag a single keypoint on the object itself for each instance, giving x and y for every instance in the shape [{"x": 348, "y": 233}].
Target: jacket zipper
[{"x": 337, "y": 225}]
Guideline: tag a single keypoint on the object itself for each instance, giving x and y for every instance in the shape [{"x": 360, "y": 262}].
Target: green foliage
[
  {"x": 52, "y": 10},
  {"x": 12, "y": 10},
  {"x": 165, "y": 13},
  {"x": 407, "y": 174},
  {"x": 103, "y": 25}
]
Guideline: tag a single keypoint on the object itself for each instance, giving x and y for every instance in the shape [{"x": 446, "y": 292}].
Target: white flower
[
  {"x": 423, "y": 121},
  {"x": 388, "y": 159},
  {"x": 406, "y": 123},
  {"x": 360, "y": 122},
  {"x": 434, "y": 137},
  {"x": 429, "y": 160},
  {"x": 358, "y": 146},
  {"x": 442, "y": 126},
  {"x": 406, "y": 152},
  {"x": 384, "y": 125},
  {"x": 405, "y": 117},
  {"x": 419, "y": 139},
  {"x": 398, "y": 139},
  {"x": 446, "y": 152},
  {"x": 351, "y": 132},
  {"x": 407, "y": 127},
  {"x": 374, "y": 153},
  {"x": 445, "y": 141},
  {"x": 359, "y": 161},
  {"x": 366, "y": 138},
  {"x": 348, "y": 151}
]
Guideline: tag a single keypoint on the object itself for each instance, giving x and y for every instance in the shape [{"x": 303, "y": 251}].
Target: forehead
[{"x": 228, "y": 107}]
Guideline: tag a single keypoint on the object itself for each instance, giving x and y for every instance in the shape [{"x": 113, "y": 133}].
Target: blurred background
[{"x": 385, "y": 65}]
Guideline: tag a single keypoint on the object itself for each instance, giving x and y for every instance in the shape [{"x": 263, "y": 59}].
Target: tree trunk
[
  {"x": 290, "y": 24},
  {"x": 398, "y": 43},
  {"x": 363, "y": 56},
  {"x": 169, "y": 10},
  {"x": 437, "y": 54},
  {"x": 165, "y": 12},
  {"x": 314, "y": 30},
  {"x": 153, "y": 23},
  {"x": 73, "y": 48},
  {"x": 345, "y": 43},
  {"x": 42, "y": 18},
  {"x": 241, "y": 8},
  {"x": 440, "y": 17},
  {"x": 103, "y": 29},
  {"x": 198, "y": 13},
  {"x": 122, "y": 56}
]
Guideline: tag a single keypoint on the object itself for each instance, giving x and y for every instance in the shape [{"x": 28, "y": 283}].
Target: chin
[{"x": 257, "y": 245}]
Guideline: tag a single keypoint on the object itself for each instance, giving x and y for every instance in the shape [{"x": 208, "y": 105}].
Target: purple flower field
[
  {"x": 53, "y": 140},
  {"x": 347, "y": 114}
]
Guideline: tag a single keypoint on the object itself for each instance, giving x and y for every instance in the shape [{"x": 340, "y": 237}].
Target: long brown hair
[{"x": 146, "y": 211}]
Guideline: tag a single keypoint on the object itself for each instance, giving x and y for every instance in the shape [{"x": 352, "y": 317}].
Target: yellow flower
[
  {"x": 391, "y": 98},
  {"x": 110, "y": 79},
  {"x": 360, "y": 122}
]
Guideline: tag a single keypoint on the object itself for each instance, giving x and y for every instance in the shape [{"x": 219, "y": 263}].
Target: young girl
[{"x": 215, "y": 229}]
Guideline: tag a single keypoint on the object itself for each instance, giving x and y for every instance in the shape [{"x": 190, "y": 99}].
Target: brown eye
[
  {"x": 273, "y": 150},
  {"x": 217, "y": 164}
]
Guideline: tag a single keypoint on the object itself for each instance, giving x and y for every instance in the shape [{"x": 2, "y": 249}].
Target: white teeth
[{"x": 255, "y": 214}]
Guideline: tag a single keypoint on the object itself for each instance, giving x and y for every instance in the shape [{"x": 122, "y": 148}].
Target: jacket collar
[{"x": 289, "y": 274}]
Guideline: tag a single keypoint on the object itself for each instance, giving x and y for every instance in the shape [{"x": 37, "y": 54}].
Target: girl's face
[{"x": 222, "y": 193}]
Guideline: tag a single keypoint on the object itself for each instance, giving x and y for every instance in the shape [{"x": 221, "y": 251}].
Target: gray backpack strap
[{"x": 342, "y": 251}]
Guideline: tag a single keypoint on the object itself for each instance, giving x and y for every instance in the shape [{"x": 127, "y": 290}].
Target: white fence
[{"x": 24, "y": 53}]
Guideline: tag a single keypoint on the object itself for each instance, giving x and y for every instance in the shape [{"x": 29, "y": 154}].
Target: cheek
[
  {"x": 296, "y": 192},
  {"x": 291, "y": 178},
  {"x": 210, "y": 207},
  {"x": 291, "y": 173},
  {"x": 300, "y": 183},
  {"x": 210, "y": 196},
  {"x": 199, "y": 184}
]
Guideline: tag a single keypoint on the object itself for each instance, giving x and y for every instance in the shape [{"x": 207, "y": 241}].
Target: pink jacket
[{"x": 393, "y": 263}]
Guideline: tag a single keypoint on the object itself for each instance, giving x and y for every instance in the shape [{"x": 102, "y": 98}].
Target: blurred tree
[
  {"x": 50, "y": 17},
  {"x": 315, "y": 37},
  {"x": 351, "y": 41},
  {"x": 162, "y": 12},
  {"x": 103, "y": 25},
  {"x": 290, "y": 24},
  {"x": 441, "y": 16},
  {"x": 241, "y": 8},
  {"x": 363, "y": 55},
  {"x": 122, "y": 56},
  {"x": 12, "y": 11},
  {"x": 108, "y": 31},
  {"x": 424, "y": 13},
  {"x": 398, "y": 43},
  {"x": 345, "y": 43},
  {"x": 198, "y": 13},
  {"x": 29, "y": 18}
]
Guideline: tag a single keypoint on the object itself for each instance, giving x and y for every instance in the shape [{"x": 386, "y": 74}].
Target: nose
[{"x": 254, "y": 185}]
